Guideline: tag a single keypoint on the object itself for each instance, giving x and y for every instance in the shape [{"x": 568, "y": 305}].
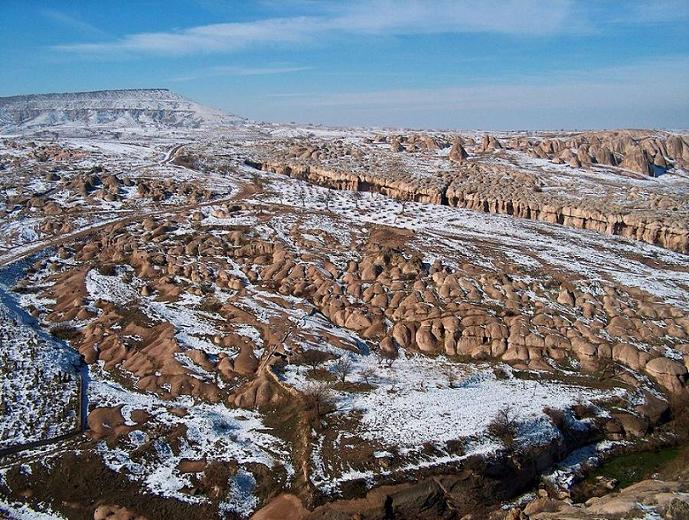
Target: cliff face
[
  {"x": 653, "y": 232},
  {"x": 672, "y": 236}
]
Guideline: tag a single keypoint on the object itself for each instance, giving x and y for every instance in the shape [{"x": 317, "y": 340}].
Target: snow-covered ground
[
  {"x": 415, "y": 401},
  {"x": 212, "y": 433},
  {"x": 39, "y": 383}
]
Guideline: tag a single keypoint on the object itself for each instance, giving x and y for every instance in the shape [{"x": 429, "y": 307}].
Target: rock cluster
[
  {"x": 666, "y": 499},
  {"x": 638, "y": 152},
  {"x": 386, "y": 296}
]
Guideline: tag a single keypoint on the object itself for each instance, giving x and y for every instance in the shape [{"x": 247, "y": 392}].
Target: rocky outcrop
[
  {"x": 663, "y": 499},
  {"x": 115, "y": 512},
  {"x": 490, "y": 143},
  {"x": 430, "y": 190},
  {"x": 636, "y": 160},
  {"x": 457, "y": 193},
  {"x": 457, "y": 153},
  {"x": 674, "y": 236},
  {"x": 632, "y": 150}
]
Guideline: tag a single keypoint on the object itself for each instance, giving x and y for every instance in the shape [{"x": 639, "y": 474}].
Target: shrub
[
  {"x": 107, "y": 269},
  {"x": 501, "y": 373},
  {"x": 386, "y": 357},
  {"x": 455, "y": 446},
  {"x": 504, "y": 426},
  {"x": 312, "y": 357},
  {"x": 65, "y": 332}
]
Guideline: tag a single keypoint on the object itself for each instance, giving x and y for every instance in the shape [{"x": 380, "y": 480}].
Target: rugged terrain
[{"x": 209, "y": 317}]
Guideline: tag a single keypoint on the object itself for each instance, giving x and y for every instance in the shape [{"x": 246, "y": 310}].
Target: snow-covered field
[{"x": 40, "y": 383}]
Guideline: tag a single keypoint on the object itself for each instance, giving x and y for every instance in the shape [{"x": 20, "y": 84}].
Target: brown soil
[
  {"x": 384, "y": 236},
  {"x": 77, "y": 483},
  {"x": 282, "y": 507}
]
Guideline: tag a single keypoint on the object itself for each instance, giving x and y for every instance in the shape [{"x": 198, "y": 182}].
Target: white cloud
[
  {"x": 240, "y": 71},
  {"x": 518, "y": 17},
  {"x": 205, "y": 38},
  {"x": 72, "y": 23}
]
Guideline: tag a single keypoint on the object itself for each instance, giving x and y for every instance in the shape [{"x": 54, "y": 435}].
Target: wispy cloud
[
  {"x": 73, "y": 23},
  {"x": 377, "y": 17},
  {"x": 222, "y": 37},
  {"x": 239, "y": 71}
]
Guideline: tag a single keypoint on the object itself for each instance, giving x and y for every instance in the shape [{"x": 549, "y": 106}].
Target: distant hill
[{"x": 111, "y": 109}]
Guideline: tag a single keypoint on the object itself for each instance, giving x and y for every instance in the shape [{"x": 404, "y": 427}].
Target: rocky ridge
[{"x": 479, "y": 183}]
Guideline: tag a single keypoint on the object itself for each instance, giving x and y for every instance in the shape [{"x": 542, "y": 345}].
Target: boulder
[
  {"x": 246, "y": 362},
  {"x": 457, "y": 153},
  {"x": 671, "y": 374}
]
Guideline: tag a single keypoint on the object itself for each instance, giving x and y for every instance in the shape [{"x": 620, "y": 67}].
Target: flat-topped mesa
[
  {"x": 156, "y": 108},
  {"x": 526, "y": 202}
]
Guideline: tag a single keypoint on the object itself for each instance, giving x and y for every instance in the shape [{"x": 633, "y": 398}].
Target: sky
[{"x": 450, "y": 64}]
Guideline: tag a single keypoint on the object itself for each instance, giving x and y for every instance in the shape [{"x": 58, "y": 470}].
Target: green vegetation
[{"x": 633, "y": 467}]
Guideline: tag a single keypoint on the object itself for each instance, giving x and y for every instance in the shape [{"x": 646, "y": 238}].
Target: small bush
[
  {"x": 321, "y": 374},
  {"x": 455, "y": 446},
  {"x": 107, "y": 269},
  {"x": 312, "y": 357},
  {"x": 504, "y": 426},
  {"x": 65, "y": 332},
  {"x": 386, "y": 357},
  {"x": 501, "y": 373}
]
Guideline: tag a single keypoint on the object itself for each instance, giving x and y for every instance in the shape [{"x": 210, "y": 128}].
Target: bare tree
[
  {"x": 343, "y": 367},
  {"x": 357, "y": 196},
  {"x": 301, "y": 194},
  {"x": 368, "y": 374},
  {"x": 319, "y": 399},
  {"x": 406, "y": 199},
  {"x": 327, "y": 198}
]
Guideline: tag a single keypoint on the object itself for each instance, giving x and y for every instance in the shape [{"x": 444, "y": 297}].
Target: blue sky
[{"x": 508, "y": 64}]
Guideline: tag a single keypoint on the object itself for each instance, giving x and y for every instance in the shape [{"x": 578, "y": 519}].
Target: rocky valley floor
[{"x": 283, "y": 322}]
